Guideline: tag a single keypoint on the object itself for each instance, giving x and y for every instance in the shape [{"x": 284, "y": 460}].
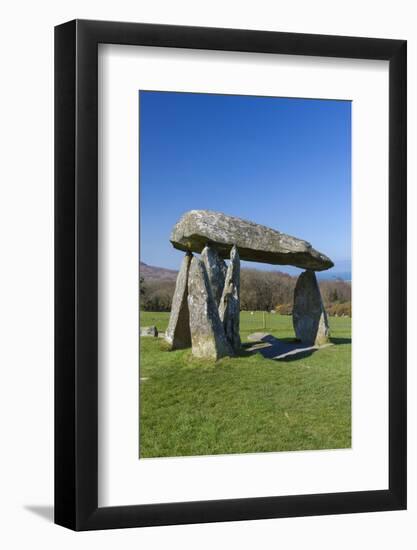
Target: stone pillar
[
  {"x": 216, "y": 271},
  {"x": 178, "y": 333},
  {"x": 229, "y": 307},
  {"x": 309, "y": 316},
  {"x": 207, "y": 333}
]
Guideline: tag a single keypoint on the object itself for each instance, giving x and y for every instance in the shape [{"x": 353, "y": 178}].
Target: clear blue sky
[{"x": 281, "y": 162}]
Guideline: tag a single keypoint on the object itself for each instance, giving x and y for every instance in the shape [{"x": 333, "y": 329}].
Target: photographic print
[
  {"x": 208, "y": 182},
  {"x": 245, "y": 274}
]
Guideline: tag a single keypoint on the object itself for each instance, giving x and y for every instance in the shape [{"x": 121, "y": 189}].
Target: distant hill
[
  {"x": 338, "y": 275},
  {"x": 156, "y": 273}
]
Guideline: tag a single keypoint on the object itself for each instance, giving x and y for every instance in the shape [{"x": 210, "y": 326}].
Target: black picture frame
[{"x": 76, "y": 272}]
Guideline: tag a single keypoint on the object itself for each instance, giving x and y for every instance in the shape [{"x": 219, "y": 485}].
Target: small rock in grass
[{"x": 149, "y": 331}]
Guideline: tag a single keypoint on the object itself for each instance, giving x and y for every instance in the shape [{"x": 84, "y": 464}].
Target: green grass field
[{"x": 245, "y": 404}]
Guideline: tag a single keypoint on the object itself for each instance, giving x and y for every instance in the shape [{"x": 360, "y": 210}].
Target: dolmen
[{"x": 206, "y": 303}]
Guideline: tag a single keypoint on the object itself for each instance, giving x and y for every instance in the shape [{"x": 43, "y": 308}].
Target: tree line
[{"x": 259, "y": 291}]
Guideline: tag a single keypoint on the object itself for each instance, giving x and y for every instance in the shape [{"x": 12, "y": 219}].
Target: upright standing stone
[
  {"x": 216, "y": 271},
  {"x": 178, "y": 332},
  {"x": 207, "y": 332},
  {"x": 229, "y": 308},
  {"x": 309, "y": 316}
]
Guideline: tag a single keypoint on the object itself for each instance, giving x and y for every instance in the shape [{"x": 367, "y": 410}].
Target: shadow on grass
[
  {"x": 300, "y": 354},
  {"x": 340, "y": 341},
  {"x": 283, "y": 349}
]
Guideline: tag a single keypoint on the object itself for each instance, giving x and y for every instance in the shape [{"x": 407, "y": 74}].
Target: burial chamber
[{"x": 206, "y": 303}]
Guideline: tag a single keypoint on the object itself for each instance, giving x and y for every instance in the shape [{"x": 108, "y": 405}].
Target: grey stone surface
[
  {"x": 216, "y": 271},
  {"x": 149, "y": 331},
  {"x": 258, "y": 243},
  {"x": 207, "y": 332},
  {"x": 178, "y": 333},
  {"x": 309, "y": 316},
  {"x": 229, "y": 307}
]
